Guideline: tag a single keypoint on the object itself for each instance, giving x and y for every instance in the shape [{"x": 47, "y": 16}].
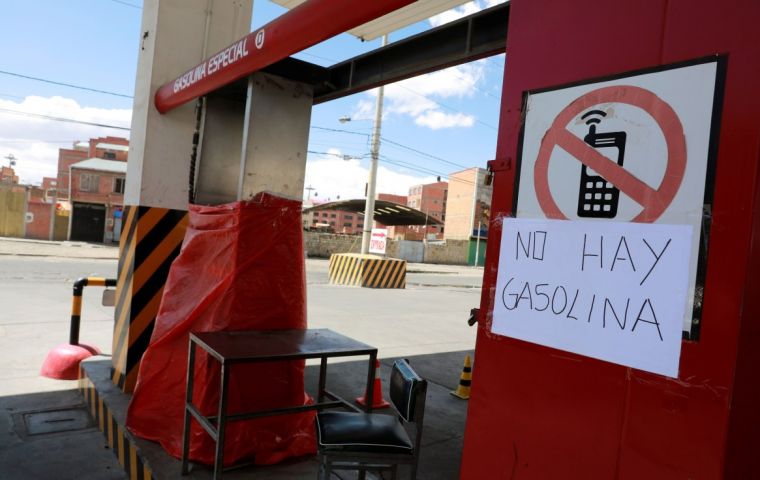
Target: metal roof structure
[
  {"x": 101, "y": 165},
  {"x": 405, "y": 16},
  {"x": 387, "y": 213}
]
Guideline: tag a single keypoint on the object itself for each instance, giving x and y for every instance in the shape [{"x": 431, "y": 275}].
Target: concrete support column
[{"x": 175, "y": 35}]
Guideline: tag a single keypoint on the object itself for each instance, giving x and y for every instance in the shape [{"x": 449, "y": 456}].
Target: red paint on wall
[{"x": 538, "y": 413}]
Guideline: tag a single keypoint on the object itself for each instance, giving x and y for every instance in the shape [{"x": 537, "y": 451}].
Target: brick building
[
  {"x": 467, "y": 210},
  {"x": 90, "y": 183},
  {"x": 107, "y": 148},
  {"x": 430, "y": 199},
  {"x": 8, "y": 176},
  {"x": 97, "y": 198},
  {"x": 337, "y": 221}
]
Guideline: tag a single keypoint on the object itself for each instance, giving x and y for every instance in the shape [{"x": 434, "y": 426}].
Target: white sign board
[
  {"x": 378, "y": 240},
  {"x": 634, "y": 148},
  {"x": 612, "y": 291}
]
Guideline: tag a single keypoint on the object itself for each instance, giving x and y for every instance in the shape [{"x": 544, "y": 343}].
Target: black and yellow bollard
[
  {"x": 63, "y": 361},
  {"x": 463, "y": 390}
]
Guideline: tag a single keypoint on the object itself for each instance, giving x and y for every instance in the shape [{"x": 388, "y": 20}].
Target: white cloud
[
  {"x": 331, "y": 176},
  {"x": 463, "y": 11},
  {"x": 35, "y": 141},
  {"x": 437, "y": 119},
  {"x": 415, "y": 97}
]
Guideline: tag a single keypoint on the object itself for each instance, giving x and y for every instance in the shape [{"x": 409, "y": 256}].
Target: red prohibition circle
[{"x": 653, "y": 200}]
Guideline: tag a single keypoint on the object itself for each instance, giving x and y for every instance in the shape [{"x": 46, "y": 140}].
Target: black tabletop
[{"x": 251, "y": 345}]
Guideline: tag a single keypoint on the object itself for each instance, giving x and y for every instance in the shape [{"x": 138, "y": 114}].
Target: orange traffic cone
[
  {"x": 463, "y": 390},
  {"x": 377, "y": 392}
]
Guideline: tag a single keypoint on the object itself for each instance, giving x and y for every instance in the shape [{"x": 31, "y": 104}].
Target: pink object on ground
[{"x": 62, "y": 362}]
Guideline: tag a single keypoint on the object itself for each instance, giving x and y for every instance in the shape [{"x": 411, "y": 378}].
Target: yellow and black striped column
[
  {"x": 151, "y": 239},
  {"x": 367, "y": 271},
  {"x": 119, "y": 440}
]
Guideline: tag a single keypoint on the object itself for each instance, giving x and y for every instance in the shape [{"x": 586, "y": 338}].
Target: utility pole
[
  {"x": 309, "y": 189},
  {"x": 11, "y": 160},
  {"x": 369, "y": 209}
]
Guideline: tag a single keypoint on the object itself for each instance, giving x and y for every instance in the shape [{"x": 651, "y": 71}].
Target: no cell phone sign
[
  {"x": 612, "y": 174},
  {"x": 630, "y": 148}
]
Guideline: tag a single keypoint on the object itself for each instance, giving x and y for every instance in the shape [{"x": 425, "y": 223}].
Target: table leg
[
  {"x": 221, "y": 424},
  {"x": 322, "y": 380},
  {"x": 371, "y": 381},
  {"x": 188, "y": 401}
]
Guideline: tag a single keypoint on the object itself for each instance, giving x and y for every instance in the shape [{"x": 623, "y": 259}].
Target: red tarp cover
[{"x": 241, "y": 267}]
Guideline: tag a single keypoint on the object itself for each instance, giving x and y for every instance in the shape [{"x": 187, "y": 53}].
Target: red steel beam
[{"x": 308, "y": 24}]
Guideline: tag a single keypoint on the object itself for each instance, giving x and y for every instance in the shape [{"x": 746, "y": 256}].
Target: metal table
[{"x": 252, "y": 346}]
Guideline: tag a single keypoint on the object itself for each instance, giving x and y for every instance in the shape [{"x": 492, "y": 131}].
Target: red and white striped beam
[{"x": 308, "y": 24}]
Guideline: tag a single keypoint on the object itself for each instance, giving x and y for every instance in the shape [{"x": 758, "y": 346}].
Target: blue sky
[{"x": 450, "y": 116}]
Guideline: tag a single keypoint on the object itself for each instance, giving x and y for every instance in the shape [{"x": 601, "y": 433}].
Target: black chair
[{"x": 375, "y": 441}]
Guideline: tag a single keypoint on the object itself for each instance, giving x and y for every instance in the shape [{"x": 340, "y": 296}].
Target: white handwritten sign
[{"x": 608, "y": 290}]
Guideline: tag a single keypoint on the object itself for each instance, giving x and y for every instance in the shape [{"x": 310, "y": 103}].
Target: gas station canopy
[
  {"x": 387, "y": 213},
  {"x": 413, "y": 13}
]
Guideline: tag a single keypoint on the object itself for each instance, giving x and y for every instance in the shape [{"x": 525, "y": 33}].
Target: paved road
[
  {"x": 425, "y": 322},
  {"x": 429, "y": 316}
]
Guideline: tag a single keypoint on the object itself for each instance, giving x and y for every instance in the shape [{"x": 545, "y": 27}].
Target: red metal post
[
  {"x": 308, "y": 24},
  {"x": 538, "y": 413}
]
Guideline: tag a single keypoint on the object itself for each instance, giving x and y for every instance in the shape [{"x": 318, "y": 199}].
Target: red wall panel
[{"x": 540, "y": 413}]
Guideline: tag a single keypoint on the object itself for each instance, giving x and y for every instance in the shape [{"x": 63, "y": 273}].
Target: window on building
[
  {"x": 332, "y": 215},
  {"x": 315, "y": 220},
  {"x": 118, "y": 185},
  {"x": 348, "y": 224},
  {"x": 332, "y": 224},
  {"x": 88, "y": 182},
  {"x": 349, "y": 217},
  {"x": 109, "y": 155},
  {"x": 324, "y": 214}
]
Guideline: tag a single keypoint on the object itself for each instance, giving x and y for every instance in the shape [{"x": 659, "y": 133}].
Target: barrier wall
[{"x": 448, "y": 252}]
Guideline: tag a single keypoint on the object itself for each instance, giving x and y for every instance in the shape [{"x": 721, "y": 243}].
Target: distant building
[
  {"x": 107, "y": 148},
  {"x": 97, "y": 199},
  {"x": 337, "y": 221},
  {"x": 50, "y": 187},
  {"x": 389, "y": 197},
  {"x": 430, "y": 199},
  {"x": 8, "y": 176},
  {"x": 468, "y": 210}
]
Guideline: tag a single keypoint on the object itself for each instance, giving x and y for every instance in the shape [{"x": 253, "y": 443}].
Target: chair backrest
[{"x": 407, "y": 391}]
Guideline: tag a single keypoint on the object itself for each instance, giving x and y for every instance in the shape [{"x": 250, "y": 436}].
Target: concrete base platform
[
  {"x": 146, "y": 460},
  {"x": 370, "y": 271}
]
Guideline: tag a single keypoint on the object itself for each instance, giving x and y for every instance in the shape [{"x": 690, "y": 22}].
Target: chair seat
[{"x": 361, "y": 432}]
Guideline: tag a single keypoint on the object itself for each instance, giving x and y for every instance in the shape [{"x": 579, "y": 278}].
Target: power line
[
  {"x": 339, "y": 130},
  {"x": 420, "y": 152},
  {"x": 425, "y": 170},
  {"x": 63, "y": 84},
  {"x": 392, "y": 142},
  {"x": 127, "y": 4},
  {"x": 62, "y": 119}
]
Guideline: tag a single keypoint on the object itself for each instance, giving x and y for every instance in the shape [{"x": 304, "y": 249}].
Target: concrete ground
[{"x": 426, "y": 322}]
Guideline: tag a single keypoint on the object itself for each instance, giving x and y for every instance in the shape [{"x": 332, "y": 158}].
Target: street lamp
[
  {"x": 374, "y": 155},
  {"x": 11, "y": 160}
]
